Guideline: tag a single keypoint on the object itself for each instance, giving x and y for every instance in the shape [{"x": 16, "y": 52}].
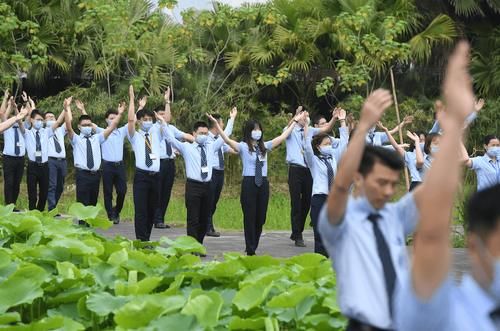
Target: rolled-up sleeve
[{"x": 330, "y": 234}]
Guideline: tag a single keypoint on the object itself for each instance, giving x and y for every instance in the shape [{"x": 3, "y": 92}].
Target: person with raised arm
[
  {"x": 254, "y": 197},
  {"x": 375, "y": 138},
  {"x": 487, "y": 166},
  {"x": 338, "y": 144},
  {"x": 87, "y": 153},
  {"x": 429, "y": 299}
]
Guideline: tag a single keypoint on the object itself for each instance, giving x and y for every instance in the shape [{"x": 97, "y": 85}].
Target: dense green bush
[{"x": 55, "y": 275}]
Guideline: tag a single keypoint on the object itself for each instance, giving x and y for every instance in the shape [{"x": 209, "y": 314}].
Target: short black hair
[
  {"x": 482, "y": 214},
  {"x": 385, "y": 156},
  {"x": 488, "y": 138},
  {"x": 35, "y": 112},
  {"x": 145, "y": 112},
  {"x": 212, "y": 124},
  {"x": 199, "y": 124},
  {"x": 48, "y": 112},
  {"x": 318, "y": 118},
  {"x": 110, "y": 111},
  {"x": 83, "y": 118}
]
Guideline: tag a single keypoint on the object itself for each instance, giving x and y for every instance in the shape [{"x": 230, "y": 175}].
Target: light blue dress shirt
[
  {"x": 377, "y": 139},
  {"x": 340, "y": 144},
  {"x": 178, "y": 134},
  {"x": 319, "y": 171},
  {"x": 191, "y": 152},
  {"x": 352, "y": 247},
  {"x": 295, "y": 145},
  {"x": 30, "y": 140},
  {"x": 9, "y": 142},
  {"x": 59, "y": 134},
  {"x": 112, "y": 148},
  {"x": 138, "y": 141},
  {"x": 228, "y": 130},
  {"x": 249, "y": 158},
  {"x": 452, "y": 308},
  {"x": 79, "y": 143},
  {"x": 487, "y": 171},
  {"x": 411, "y": 163},
  {"x": 436, "y": 128},
  {"x": 428, "y": 159}
]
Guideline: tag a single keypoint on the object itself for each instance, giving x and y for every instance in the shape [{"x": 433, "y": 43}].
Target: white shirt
[
  {"x": 112, "y": 148},
  {"x": 59, "y": 134},
  {"x": 79, "y": 143},
  {"x": 30, "y": 139},
  {"x": 138, "y": 142},
  {"x": 9, "y": 141}
]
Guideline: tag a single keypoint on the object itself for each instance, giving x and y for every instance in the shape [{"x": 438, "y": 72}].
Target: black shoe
[
  {"x": 300, "y": 243},
  {"x": 116, "y": 221},
  {"x": 250, "y": 253},
  {"x": 199, "y": 254},
  {"x": 213, "y": 233},
  {"x": 83, "y": 223},
  {"x": 162, "y": 226},
  {"x": 15, "y": 210}
]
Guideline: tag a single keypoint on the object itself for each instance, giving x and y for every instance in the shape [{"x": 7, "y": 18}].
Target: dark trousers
[
  {"x": 113, "y": 176},
  {"x": 317, "y": 202},
  {"x": 146, "y": 185},
  {"x": 198, "y": 208},
  {"x": 355, "y": 325},
  {"x": 167, "y": 176},
  {"x": 300, "y": 187},
  {"x": 87, "y": 186},
  {"x": 254, "y": 201},
  {"x": 215, "y": 189},
  {"x": 413, "y": 185},
  {"x": 57, "y": 173},
  {"x": 13, "y": 169},
  {"x": 38, "y": 185}
]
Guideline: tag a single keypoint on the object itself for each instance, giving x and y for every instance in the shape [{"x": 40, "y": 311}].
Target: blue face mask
[
  {"x": 49, "y": 124},
  {"x": 256, "y": 134},
  {"x": 494, "y": 152},
  {"x": 146, "y": 126},
  {"x": 326, "y": 150},
  {"x": 86, "y": 130},
  {"x": 434, "y": 150},
  {"x": 108, "y": 122},
  {"x": 38, "y": 124},
  {"x": 201, "y": 139}
]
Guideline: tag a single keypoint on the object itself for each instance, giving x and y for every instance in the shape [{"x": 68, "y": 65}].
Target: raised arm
[
  {"x": 406, "y": 120},
  {"x": 329, "y": 126},
  {"x": 419, "y": 155},
  {"x": 131, "y": 112},
  {"x": 393, "y": 141},
  {"x": 282, "y": 137},
  {"x": 68, "y": 118},
  {"x": 435, "y": 197},
  {"x": 59, "y": 122},
  {"x": 232, "y": 143},
  {"x": 11, "y": 121},
  {"x": 81, "y": 107},
  {"x": 228, "y": 130},
  {"x": 3, "y": 106},
  {"x": 116, "y": 120},
  {"x": 143, "y": 101},
  {"x": 308, "y": 150},
  {"x": 373, "y": 108},
  {"x": 297, "y": 111}
]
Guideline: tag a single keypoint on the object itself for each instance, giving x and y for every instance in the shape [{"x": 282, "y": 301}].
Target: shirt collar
[
  {"x": 483, "y": 302},
  {"x": 362, "y": 204},
  {"x": 488, "y": 158}
]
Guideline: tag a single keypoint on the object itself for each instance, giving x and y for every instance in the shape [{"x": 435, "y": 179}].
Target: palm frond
[{"x": 467, "y": 7}]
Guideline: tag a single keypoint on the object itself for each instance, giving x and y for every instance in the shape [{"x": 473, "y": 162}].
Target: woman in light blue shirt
[
  {"x": 487, "y": 167},
  {"x": 254, "y": 197},
  {"x": 320, "y": 157}
]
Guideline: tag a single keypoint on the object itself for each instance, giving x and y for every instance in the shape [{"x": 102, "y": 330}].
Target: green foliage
[{"x": 55, "y": 275}]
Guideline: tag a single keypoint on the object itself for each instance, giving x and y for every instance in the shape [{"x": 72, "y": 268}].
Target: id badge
[
  {"x": 18, "y": 144},
  {"x": 263, "y": 158},
  {"x": 204, "y": 170},
  {"x": 152, "y": 156},
  {"x": 38, "y": 153}
]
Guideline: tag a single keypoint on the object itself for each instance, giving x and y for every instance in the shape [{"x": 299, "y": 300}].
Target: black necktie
[
  {"x": 221, "y": 159},
  {"x": 302, "y": 147},
  {"x": 169, "y": 148},
  {"x": 38, "y": 157},
  {"x": 204, "y": 174},
  {"x": 147, "y": 148},
  {"x": 329, "y": 169},
  {"x": 258, "y": 168},
  {"x": 385, "y": 257},
  {"x": 371, "y": 135},
  {"x": 495, "y": 317},
  {"x": 56, "y": 144},
  {"x": 17, "y": 150},
  {"x": 90, "y": 154}
]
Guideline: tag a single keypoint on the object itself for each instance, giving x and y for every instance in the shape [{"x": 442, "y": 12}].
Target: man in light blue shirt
[
  {"x": 57, "y": 159},
  {"x": 14, "y": 149},
  {"x": 487, "y": 167},
  {"x": 217, "y": 181},
  {"x": 37, "y": 141},
  {"x": 87, "y": 154},
  {"x": 364, "y": 233},
  {"x": 199, "y": 161},
  {"x": 374, "y": 138}
]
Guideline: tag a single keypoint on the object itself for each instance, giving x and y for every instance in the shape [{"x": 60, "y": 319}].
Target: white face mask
[
  {"x": 50, "y": 124},
  {"x": 146, "y": 126},
  {"x": 434, "y": 149},
  {"x": 108, "y": 122},
  {"x": 201, "y": 139},
  {"x": 86, "y": 130},
  {"x": 494, "y": 152},
  {"x": 38, "y": 124},
  {"x": 256, "y": 134},
  {"x": 326, "y": 150}
]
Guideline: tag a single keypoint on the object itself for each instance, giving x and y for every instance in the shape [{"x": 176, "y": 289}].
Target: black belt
[
  {"x": 197, "y": 181},
  {"x": 39, "y": 164},
  {"x": 166, "y": 159},
  {"x": 90, "y": 172},
  {"x": 56, "y": 158},
  {"x": 294, "y": 165},
  {"x": 116, "y": 164},
  {"x": 355, "y": 325},
  {"x": 217, "y": 170},
  {"x": 5, "y": 156},
  {"x": 252, "y": 177},
  {"x": 146, "y": 172}
]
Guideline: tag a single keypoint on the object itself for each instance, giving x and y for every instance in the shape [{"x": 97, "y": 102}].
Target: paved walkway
[{"x": 274, "y": 243}]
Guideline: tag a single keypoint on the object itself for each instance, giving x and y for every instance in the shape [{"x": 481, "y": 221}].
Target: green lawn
[{"x": 228, "y": 215}]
